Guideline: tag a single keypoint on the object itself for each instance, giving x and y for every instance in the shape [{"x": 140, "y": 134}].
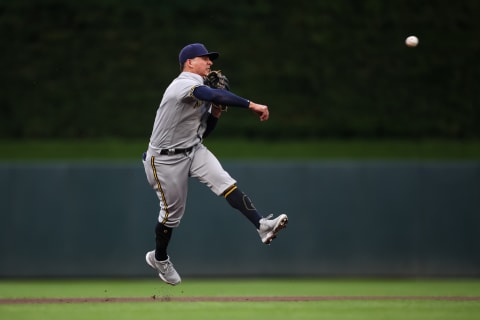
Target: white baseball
[{"x": 411, "y": 41}]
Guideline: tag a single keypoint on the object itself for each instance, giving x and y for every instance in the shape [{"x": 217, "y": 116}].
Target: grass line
[
  {"x": 131, "y": 150},
  {"x": 388, "y": 299}
]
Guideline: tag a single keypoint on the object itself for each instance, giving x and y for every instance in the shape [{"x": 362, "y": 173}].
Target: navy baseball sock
[
  {"x": 162, "y": 238},
  {"x": 241, "y": 202}
]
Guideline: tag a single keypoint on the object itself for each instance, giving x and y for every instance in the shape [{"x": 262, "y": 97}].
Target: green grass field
[
  {"x": 405, "y": 300},
  {"x": 111, "y": 149}
]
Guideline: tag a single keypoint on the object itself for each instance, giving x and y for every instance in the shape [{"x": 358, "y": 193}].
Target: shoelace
[{"x": 165, "y": 267}]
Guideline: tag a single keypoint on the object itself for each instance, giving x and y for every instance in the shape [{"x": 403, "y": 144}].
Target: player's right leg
[
  {"x": 165, "y": 268},
  {"x": 159, "y": 260},
  {"x": 168, "y": 176}
]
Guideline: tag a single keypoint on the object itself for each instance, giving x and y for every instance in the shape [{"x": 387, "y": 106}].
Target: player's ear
[{"x": 188, "y": 65}]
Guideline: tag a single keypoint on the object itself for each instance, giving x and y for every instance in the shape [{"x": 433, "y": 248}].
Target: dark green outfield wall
[
  {"x": 326, "y": 68},
  {"x": 346, "y": 218}
]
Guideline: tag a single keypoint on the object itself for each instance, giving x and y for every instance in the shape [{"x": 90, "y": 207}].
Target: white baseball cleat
[
  {"x": 165, "y": 269},
  {"x": 269, "y": 228}
]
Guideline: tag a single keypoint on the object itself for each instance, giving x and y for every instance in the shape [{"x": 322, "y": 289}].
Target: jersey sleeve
[{"x": 191, "y": 97}]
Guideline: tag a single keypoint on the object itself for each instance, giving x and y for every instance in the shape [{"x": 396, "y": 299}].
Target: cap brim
[{"x": 211, "y": 55}]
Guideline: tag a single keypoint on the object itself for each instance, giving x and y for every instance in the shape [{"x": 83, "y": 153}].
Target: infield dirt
[{"x": 155, "y": 298}]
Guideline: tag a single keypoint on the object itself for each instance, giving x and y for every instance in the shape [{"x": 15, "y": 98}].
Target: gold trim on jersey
[
  {"x": 159, "y": 186},
  {"x": 198, "y": 102},
  {"x": 229, "y": 190}
]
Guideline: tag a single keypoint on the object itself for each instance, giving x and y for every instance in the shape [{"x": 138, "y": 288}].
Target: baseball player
[{"x": 188, "y": 112}]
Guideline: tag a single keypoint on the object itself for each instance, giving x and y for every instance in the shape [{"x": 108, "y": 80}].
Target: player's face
[{"x": 201, "y": 65}]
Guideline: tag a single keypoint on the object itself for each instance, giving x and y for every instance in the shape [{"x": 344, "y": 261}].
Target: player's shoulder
[
  {"x": 188, "y": 76},
  {"x": 185, "y": 82}
]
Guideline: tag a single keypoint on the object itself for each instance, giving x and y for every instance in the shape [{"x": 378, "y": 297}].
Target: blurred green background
[{"x": 333, "y": 69}]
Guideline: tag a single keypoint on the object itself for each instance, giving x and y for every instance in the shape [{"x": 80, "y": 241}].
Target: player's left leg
[
  {"x": 240, "y": 201},
  {"x": 267, "y": 227},
  {"x": 207, "y": 168}
]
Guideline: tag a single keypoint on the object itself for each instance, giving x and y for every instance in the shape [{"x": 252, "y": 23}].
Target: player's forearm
[{"x": 220, "y": 97}]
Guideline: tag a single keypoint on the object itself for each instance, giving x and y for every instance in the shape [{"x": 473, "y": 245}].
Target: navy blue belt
[{"x": 175, "y": 151}]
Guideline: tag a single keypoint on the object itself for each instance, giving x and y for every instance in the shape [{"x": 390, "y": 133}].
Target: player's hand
[
  {"x": 260, "y": 109},
  {"x": 216, "y": 111}
]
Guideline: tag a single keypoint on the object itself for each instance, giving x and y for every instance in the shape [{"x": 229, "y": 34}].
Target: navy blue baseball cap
[{"x": 194, "y": 50}]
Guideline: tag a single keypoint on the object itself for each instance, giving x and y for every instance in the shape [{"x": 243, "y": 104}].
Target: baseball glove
[{"x": 217, "y": 80}]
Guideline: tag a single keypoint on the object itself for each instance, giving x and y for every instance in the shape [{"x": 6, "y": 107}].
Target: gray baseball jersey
[{"x": 176, "y": 152}]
